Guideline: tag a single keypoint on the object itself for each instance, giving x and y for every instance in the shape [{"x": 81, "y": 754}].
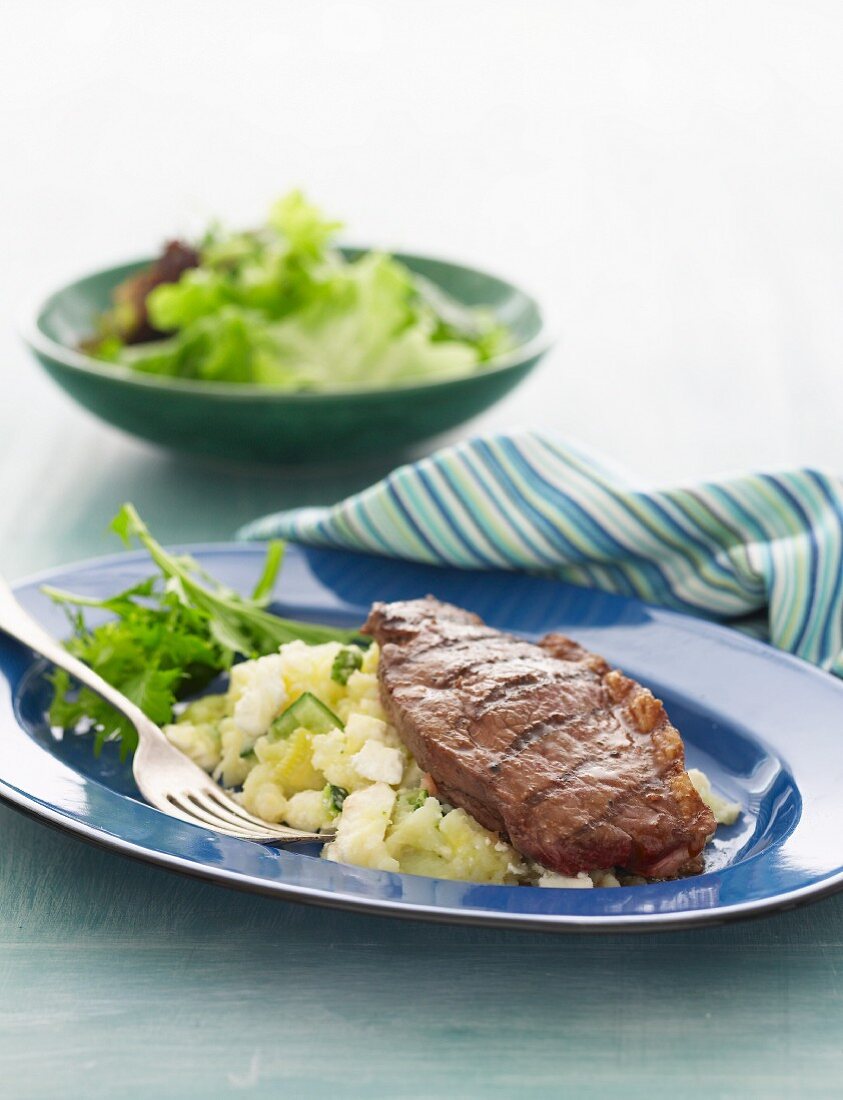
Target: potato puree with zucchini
[{"x": 303, "y": 736}]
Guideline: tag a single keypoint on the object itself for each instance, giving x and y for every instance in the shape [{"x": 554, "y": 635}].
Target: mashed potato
[
  {"x": 725, "y": 812},
  {"x": 303, "y": 735}
]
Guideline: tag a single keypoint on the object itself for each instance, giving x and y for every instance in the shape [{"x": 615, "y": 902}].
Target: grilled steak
[{"x": 577, "y": 765}]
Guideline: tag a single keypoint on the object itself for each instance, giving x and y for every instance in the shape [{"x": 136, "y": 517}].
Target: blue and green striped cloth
[{"x": 761, "y": 548}]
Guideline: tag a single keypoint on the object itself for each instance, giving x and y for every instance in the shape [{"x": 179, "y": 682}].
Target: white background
[{"x": 668, "y": 176}]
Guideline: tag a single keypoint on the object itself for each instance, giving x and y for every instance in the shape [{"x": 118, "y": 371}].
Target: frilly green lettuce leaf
[{"x": 279, "y": 306}]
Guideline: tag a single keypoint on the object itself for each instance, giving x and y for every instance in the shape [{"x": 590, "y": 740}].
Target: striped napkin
[{"x": 765, "y": 548}]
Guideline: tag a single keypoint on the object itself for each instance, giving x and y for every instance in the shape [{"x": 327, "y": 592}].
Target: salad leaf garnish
[{"x": 167, "y": 637}]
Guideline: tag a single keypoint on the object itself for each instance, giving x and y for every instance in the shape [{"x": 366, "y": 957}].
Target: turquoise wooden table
[
  {"x": 120, "y": 979},
  {"x": 674, "y": 181}
]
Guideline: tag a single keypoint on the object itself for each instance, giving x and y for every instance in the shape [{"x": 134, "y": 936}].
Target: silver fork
[{"x": 166, "y": 777}]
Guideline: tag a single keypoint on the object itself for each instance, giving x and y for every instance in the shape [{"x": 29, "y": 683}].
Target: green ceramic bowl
[{"x": 249, "y": 422}]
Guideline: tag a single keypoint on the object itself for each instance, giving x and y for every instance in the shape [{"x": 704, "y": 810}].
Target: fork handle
[{"x": 19, "y": 624}]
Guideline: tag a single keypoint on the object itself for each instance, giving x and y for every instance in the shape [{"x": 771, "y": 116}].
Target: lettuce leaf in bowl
[
  {"x": 279, "y": 306},
  {"x": 368, "y": 330}
]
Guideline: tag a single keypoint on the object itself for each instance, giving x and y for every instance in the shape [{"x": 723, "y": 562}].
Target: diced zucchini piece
[
  {"x": 334, "y": 797},
  {"x": 306, "y": 713}
]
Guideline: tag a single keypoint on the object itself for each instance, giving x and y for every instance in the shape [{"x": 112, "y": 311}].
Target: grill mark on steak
[
  {"x": 556, "y": 723},
  {"x": 457, "y": 647},
  {"x": 454, "y": 675},
  {"x": 500, "y": 690},
  {"x": 614, "y": 807},
  {"x": 576, "y": 764},
  {"x": 558, "y": 781}
]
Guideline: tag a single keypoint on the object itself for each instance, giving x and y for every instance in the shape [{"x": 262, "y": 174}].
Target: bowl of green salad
[{"x": 275, "y": 344}]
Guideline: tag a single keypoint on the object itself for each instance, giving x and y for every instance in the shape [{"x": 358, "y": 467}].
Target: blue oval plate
[{"x": 764, "y": 726}]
